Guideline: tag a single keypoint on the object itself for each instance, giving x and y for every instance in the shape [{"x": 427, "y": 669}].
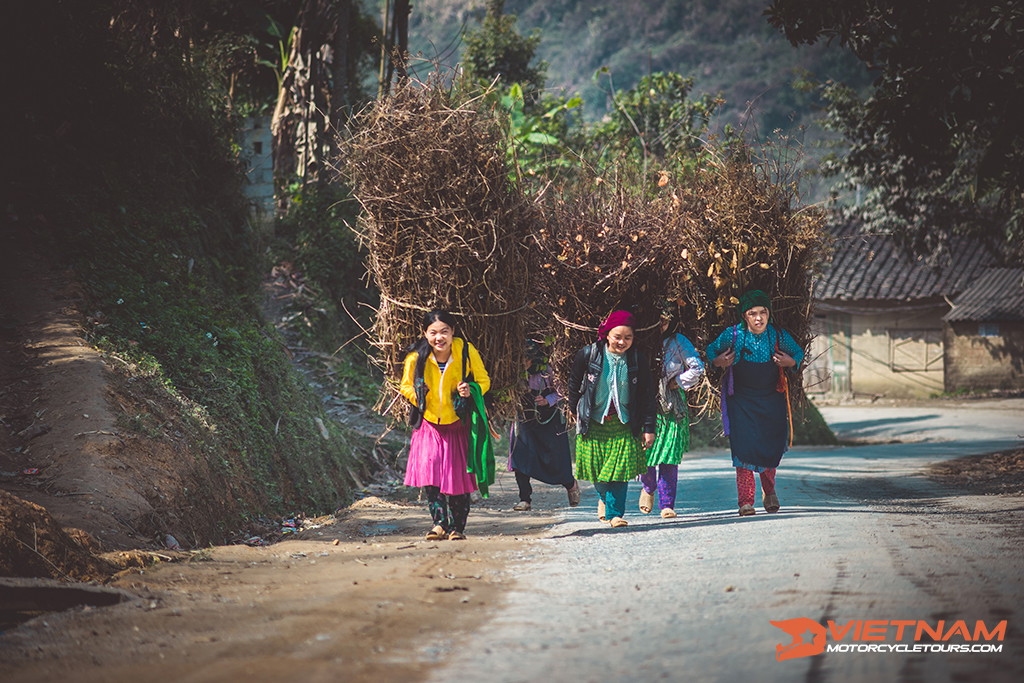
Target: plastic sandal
[{"x": 646, "y": 502}]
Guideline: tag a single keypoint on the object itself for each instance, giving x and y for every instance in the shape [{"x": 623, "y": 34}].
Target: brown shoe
[
  {"x": 746, "y": 510},
  {"x": 618, "y": 522},
  {"x": 456, "y": 536},
  {"x": 771, "y": 503},
  {"x": 668, "y": 513},
  {"x": 437, "y": 533},
  {"x": 573, "y": 493}
]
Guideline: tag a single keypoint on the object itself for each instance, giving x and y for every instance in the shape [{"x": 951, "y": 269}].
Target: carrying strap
[
  {"x": 466, "y": 377},
  {"x": 480, "y": 452},
  {"x": 728, "y": 387},
  {"x": 783, "y": 386}
]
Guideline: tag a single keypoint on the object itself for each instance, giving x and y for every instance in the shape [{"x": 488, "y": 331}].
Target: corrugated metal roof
[
  {"x": 997, "y": 295},
  {"x": 871, "y": 266}
]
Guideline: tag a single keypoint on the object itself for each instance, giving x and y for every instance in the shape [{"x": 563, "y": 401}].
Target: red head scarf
[{"x": 614, "y": 320}]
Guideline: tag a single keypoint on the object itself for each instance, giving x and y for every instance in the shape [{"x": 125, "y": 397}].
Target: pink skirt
[{"x": 437, "y": 457}]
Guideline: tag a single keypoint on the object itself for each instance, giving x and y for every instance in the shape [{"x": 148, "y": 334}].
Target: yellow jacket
[{"x": 440, "y": 409}]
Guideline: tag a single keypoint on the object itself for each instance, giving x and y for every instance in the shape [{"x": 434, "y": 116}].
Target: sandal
[
  {"x": 522, "y": 506},
  {"x": 618, "y": 522},
  {"x": 437, "y": 533},
  {"x": 668, "y": 513},
  {"x": 771, "y": 503},
  {"x": 646, "y": 502},
  {"x": 746, "y": 510},
  {"x": 456, "y": 536}
]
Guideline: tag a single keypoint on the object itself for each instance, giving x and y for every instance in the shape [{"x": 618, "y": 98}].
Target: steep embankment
[
  {"x": 143, "y": 393},
  {"x": 110, "y": 446}
]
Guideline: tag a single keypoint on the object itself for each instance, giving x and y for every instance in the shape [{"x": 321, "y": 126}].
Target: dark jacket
[{"x": 586, "y": 369}]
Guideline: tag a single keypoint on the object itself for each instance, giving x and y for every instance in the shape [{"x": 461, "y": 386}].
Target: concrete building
[
  {"x": 882, "y": 327},
  {"x": 256, "y": 151}
]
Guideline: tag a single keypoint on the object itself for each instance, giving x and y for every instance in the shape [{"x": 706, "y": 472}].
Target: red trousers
[{"x": 745, "y": 484}]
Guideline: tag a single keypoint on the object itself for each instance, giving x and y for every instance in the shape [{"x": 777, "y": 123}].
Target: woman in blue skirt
[{"x": 756, "y": 412}]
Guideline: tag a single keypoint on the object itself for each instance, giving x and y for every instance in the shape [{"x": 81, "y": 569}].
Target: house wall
[
  {"x": 827, "y": 363},
  {"x": 256, "y": 147},
  {"x": 983, "y": 363},
  {"x": 885, "y": 349}
]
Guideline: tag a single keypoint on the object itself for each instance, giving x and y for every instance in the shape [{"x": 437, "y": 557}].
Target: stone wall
[{"x": 990, "y": 357}]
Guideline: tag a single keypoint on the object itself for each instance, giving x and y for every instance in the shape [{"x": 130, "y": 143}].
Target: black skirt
[
  {"x": 539, "y": 448},
  {"x": 758, "y": 422}
]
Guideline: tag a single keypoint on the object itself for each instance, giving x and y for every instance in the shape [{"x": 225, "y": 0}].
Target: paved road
[{"x": 862, "y": 535}]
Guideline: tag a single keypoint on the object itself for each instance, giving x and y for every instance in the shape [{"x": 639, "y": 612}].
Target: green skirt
[
  {"x": 671, "y": 441},
  {"x": 609, "y": 452}
]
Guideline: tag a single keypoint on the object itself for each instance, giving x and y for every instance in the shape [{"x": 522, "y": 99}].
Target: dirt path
[
  {"x": 60, "y": 446},
  {"x": 364, "y": 598},
  {"x": 363, "y": 594}
]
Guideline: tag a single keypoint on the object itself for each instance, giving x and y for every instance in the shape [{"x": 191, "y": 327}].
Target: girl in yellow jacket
[{"x": 432, "y": 378}]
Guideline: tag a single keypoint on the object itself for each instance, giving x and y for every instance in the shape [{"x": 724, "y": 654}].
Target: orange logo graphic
[{"x": 808, "y": 638}]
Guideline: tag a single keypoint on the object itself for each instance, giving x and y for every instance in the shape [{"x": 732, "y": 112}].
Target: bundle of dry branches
[
  {"x": 444, "y": 228},
  {"x": 691, "y": 244}
]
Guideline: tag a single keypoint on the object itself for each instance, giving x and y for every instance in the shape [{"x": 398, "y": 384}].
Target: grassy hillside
[{"x": 726, "y": 46}]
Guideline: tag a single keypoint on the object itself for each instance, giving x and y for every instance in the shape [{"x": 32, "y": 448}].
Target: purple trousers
[{"x": 663, "y": 477}]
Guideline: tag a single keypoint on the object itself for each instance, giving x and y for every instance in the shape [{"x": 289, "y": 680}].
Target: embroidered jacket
[{"x": 587, "y": 367}]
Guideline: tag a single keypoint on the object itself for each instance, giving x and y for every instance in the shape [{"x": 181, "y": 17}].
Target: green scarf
[
  {"x": 750, "y": 299},
  {"x": 480, "y": 455}
]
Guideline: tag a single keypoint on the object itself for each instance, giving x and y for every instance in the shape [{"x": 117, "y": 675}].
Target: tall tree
[
  {"x": 394, "y": 49},
  {"x": 937, "y": 143},
  {"x": 319, "y": 86},
  {"x": 497, "y": 51},
  {"x": 656, "y": 120}
]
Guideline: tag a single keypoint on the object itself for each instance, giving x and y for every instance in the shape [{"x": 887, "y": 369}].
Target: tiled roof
[
  {"x": 997, "y": 294},
  {"x": 871, "y": 266}
]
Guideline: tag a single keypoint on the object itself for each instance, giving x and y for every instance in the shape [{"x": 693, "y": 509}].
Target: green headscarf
[{"x": 752, "y": 298}]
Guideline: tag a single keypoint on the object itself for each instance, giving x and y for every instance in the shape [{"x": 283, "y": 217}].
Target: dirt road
[{"x": 554, "y": 595}]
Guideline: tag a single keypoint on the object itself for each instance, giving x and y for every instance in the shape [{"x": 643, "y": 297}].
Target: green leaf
[{"x": 542, "y": 139}]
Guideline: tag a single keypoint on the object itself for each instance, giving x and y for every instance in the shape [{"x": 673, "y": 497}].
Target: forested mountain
[{"x": 726, "y": 46}]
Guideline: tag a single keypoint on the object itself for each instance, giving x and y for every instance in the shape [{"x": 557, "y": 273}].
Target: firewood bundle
[
  {"x": 444, "y": 227},
  {"x": 689, "y": 244}
]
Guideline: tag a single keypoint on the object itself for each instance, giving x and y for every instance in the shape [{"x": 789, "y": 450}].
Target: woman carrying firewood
[
  {"x": 755, "y": 409},
  {"x": 538, "y": 444},
  {"x": 438, "y": 372},
  {"x": 681, "y": 370},
  {"x": 611, "y": 393}
]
